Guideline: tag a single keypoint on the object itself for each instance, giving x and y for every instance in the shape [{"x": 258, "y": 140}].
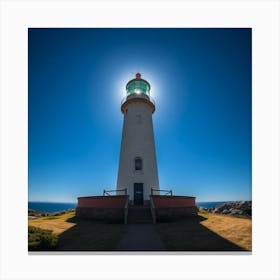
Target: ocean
[
  {"x": 210, "y": 204},
  {"x": 50, "y": 207}
]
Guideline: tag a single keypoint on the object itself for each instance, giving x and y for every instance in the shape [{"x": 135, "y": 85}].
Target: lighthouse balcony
[{"x": 138, "y": 98}]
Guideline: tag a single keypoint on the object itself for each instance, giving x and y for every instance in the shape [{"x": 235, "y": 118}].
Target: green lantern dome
[{"x": 138, "y": 86}]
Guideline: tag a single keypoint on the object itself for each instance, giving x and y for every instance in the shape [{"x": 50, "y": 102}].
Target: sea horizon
[{"x": 50, "y": 207}]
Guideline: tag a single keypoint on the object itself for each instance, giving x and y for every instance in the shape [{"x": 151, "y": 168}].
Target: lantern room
[{"x": 138, "y": 86}]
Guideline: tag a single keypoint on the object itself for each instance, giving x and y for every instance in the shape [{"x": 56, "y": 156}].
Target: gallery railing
[
  {"x": 149, "y": 98},
  {"x": 158, "y": 192},
  {"x": 114, "y": 192}
]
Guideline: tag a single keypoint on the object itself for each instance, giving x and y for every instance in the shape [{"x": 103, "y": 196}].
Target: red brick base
[{"x": 106, "y": 214}]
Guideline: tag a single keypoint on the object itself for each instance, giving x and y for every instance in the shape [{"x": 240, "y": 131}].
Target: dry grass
[
  {"x": 57, "y": 224},
  {"x": 236, "y": 230},
  {"x": 206, "y": 232},
  {"x": 81, "y": 235}
]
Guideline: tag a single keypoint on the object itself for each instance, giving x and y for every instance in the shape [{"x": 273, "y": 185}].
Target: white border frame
[{"x": 17, "y": 16}]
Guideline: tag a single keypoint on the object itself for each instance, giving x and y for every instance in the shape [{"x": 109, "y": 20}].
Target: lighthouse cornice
[{"x": 136, "y": 98}]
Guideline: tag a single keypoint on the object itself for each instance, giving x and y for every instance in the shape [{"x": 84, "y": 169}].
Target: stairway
[{"x": 139, "y": 215}]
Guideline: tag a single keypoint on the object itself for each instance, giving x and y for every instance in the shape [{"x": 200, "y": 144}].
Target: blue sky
[{"x": 200, "y": 80}]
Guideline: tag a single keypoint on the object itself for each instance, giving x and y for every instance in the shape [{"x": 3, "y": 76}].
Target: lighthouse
[{"x": 138, "y": 172}]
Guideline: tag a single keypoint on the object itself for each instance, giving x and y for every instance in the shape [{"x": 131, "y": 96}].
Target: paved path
[{"x": 140, "y": 237}]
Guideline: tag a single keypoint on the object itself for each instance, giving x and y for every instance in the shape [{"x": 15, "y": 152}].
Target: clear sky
[{"x": 200, "y": 80}]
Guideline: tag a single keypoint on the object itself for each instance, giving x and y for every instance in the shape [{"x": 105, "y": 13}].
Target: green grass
[{"x": 41, "y": 240}]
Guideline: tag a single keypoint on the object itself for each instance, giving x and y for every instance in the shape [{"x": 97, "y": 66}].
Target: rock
[
  {"x": 236, "y": 212},
  {"x": 202, "y": 209},
  {"x": 216, "y": 210},
  {"x": 32, "y": 217},
  {"x": 243, "y": 208},
  {"x": 248, "y": 212}
]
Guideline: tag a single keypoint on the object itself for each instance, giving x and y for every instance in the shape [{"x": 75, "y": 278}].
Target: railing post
[
  {"x": 171, "y": 192},
  {"x": 152, "y": 206},
  {"x": 126, "y": 210},
  {"x": 103, "y": 192}
]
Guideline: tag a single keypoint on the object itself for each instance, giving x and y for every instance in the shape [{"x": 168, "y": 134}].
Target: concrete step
[{"x": 139, "y": 215}]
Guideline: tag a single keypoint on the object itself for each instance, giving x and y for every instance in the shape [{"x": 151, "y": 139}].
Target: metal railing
[
  {"x": 157, "y": 192},
  {"x": 152, "y": 205},
  {"x": 108, "y": 193},
  {"x": 144, "y": 96},
  {"x": 126, "y": 210}
]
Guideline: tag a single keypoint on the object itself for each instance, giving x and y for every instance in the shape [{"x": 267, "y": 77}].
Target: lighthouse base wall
[
  {"x": 116, "y": 208},
  {"x": 102, "y": 207},
  {"x": 105, "y": 214},
  {"x": 174, "y": 207}
]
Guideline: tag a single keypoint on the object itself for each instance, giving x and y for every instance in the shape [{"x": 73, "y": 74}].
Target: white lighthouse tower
[{"x": 138, "y": 165}]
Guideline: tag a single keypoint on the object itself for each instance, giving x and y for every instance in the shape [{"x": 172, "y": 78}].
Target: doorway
[{"x": 138, "y": 193}]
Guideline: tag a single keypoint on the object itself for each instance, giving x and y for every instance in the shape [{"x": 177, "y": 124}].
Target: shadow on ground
[
  {"x": 88, "y": 235},
  {"x": 189, "y": 234}
]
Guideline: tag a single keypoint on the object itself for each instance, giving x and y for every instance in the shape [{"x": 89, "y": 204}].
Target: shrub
[{"x": 41, "y": 239}]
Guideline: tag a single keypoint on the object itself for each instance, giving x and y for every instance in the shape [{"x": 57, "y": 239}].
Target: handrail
[
  {"x": 143, "y": 96},
  {"x": 152, "y": 205},
  {"x": 126, "y": 210},
  {"x": 112, "y": 191},
  {"x": 167, "y": 192}
]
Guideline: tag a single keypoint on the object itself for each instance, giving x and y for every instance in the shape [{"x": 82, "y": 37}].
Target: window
[{"x": 138, "y": 164}]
